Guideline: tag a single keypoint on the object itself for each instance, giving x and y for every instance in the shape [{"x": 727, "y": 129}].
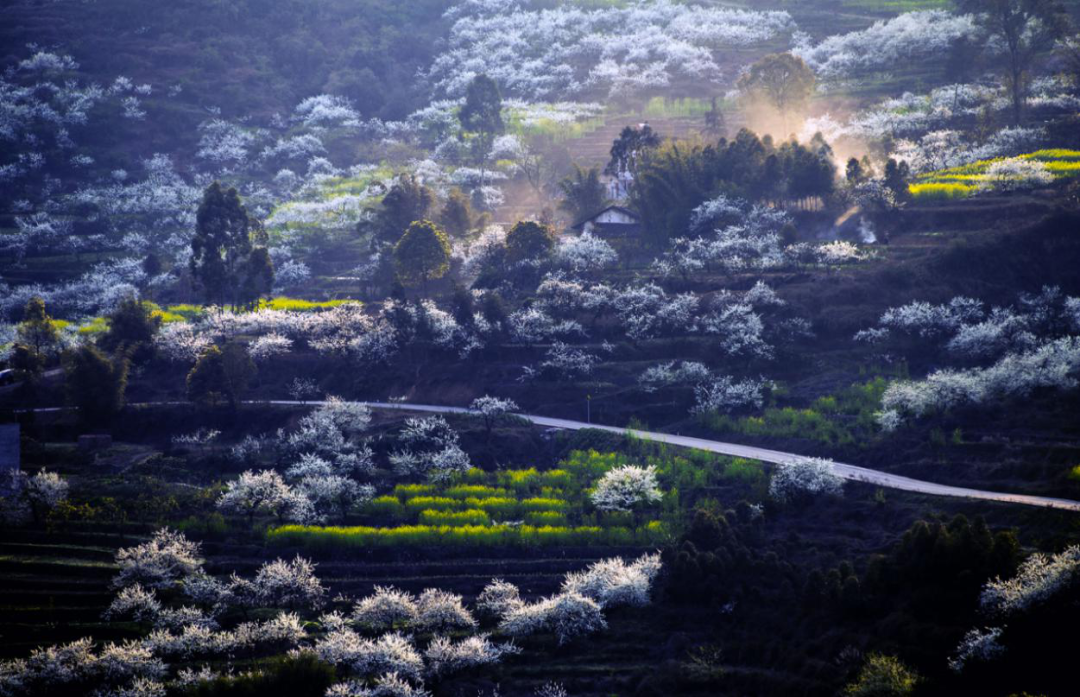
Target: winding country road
[{"x": 849, "y": 472}]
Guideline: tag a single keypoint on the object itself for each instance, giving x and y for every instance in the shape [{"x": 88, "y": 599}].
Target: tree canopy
[{"x": 422, "y": 253}]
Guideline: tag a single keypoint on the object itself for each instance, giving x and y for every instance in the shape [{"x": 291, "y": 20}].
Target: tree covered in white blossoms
[
  {"x": 429, "y": 447},
  {"x": 25, "y": 498},
  {"x": 803, "y": 478},
  {"x": 187, "y": 616},
  {"x": 567, "y": 51},
  {"x": 626, "y": 488}
]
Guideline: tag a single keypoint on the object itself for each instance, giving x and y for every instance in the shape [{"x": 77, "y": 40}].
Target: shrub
[
  {"x": 464, "y": 535},
  {"x": 411, "y": 490},
  {"x": 385, "y": 507},
  {"x": 542, "y": 518},
  {"x": 464, "y": 491},
  {"x": 542, "y": 504},
  {"x": 497, "y": 506},
  {"x": 803, "y": 477},
  {"x": 434, "y": 503},
  {"x": 469, "y": 517}
]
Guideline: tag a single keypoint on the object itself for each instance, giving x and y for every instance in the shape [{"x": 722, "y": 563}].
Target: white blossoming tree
[{"x": 626, "y": 488}]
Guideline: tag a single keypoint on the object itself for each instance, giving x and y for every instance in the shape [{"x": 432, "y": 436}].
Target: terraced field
[{"x": 53, "y": 588}]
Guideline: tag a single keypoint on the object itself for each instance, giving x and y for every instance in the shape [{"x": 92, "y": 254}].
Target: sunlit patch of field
[{"x": 960, "y": 182}]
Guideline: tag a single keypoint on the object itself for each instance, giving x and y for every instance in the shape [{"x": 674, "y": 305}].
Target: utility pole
[{"x": 588, "y": 408}]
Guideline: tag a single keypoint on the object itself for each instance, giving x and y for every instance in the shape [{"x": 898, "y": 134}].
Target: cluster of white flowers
[
  {"x": 565, "y": 362},
  {"x": 1040, "y": 577},
  {"x": 445, "y": 657},
  {"x": 386, "y": 608},
  {"x": 163, "y": 562},
  {"x": 566, "y": 615},
  {"x": 723, "y": 394},
  {"x": 978, "y": 645},
  {"x": 804, "y": 477},
  {"x": 390, "y": 653},
  {"x": 326, "y": 110},
  {"x": 565, "y": 51},
  {"x": 585, "y": 253},
  {"x": 198, "y": 438},
  {"x": 24, "y": 497},
  {"x": 225, "y": 143},
  {"x": 128, "y": 668},
  {"x": 266, "y": 347},
  {"x": 1050, "y": 365},
  {"x": 498, "y": 598},
  {"x": 667, "y": 374},
  {"x": 388, "y": 664},
  {"x": 493, "y": 409},
  {"x": 532, "y": 326},
  {"x": 888, "y": 42},
  {"x": 96, "y": 292},
  {"x": 429, "y": 447},
  {"x": 614, "y": 583},
  {"x": 332, "y": 432},
  {"x": 389, "y": 685},
  {"x": 1015, "y": 174},
  {"x": 625, "y": 488},
  {"x": 969, "y": 331},
  {"x": 180, "y": 342}
]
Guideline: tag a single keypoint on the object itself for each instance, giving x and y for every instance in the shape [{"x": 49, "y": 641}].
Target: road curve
[{"x": 845, "y": 471}]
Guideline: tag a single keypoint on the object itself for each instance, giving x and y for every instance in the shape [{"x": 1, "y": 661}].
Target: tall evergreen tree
[
  {"x": 221, "y": 244},
  {"x": 258, "y": 277},
  {"x": 481, "y": 117},
  {"x": 628, "y": 150}
]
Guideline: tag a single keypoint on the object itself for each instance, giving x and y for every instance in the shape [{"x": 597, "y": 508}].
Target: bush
[
  {"x": 497, "y": 506},
  {"x": 434, "y": 503},
  {"x": 464, "y": 535},
  {"x": 542, "y": 518},
  {"x": 385, "y": 507},
  {"x": 464, "y": 491},
  {"x": 410, "y": 490},
  {"x": 469, "y": 517}
]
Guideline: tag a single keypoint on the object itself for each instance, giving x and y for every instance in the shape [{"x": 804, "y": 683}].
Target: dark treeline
[{"x": 677, "y": 177}]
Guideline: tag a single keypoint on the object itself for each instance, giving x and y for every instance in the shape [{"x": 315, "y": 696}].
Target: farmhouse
[{"x": 613, "y": 222}]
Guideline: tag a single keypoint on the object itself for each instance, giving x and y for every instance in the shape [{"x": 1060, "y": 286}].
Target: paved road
[{"x": 849, "y": 472}]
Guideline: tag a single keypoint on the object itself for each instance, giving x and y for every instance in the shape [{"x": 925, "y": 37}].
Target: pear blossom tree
[
  {"x": 803, "y": 478},
  {"x": 625, "y": 488}
]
